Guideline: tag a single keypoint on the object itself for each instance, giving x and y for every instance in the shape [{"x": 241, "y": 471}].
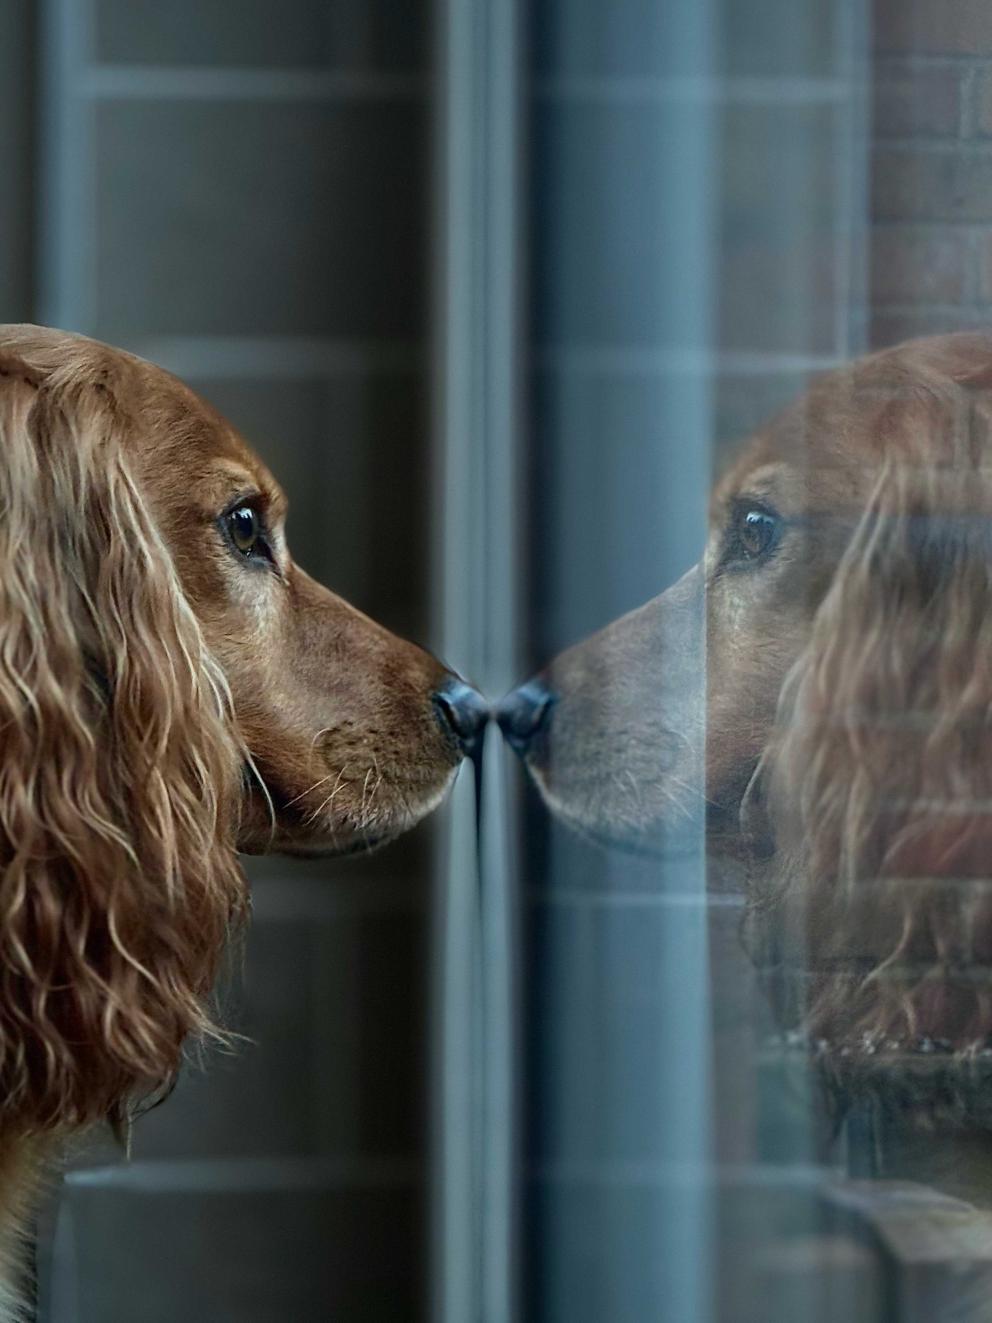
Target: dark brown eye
[
  {"x": 245, "y": 529},
  {"x": 755, "y": 533}
]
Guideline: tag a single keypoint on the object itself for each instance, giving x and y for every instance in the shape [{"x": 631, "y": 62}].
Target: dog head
[
  {"x": 821, "y": 682},
  {"x": 172, "y": 688}
]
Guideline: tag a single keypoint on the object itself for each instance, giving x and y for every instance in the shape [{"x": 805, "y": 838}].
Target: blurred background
[{"x": 492, "y": 287}]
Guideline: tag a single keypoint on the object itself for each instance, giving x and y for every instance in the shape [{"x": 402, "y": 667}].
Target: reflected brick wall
[{"x": 931, "y": 195}]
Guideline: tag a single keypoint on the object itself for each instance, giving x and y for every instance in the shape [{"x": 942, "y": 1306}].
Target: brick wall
[{"x": 931, "y": 177}]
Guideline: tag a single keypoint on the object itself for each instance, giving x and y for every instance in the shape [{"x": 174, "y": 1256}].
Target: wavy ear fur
[
  {"x": 119, "y": 773},
  {"x": 877, "y": 917}
]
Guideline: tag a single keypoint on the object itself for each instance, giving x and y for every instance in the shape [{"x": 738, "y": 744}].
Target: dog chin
[
  {"x": 661, "y": 837},
  {"x": 334, "y": 837},
  {"x": 339, "y": 844}
]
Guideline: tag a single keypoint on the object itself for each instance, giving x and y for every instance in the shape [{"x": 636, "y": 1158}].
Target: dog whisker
[
  {"x": 310, "y": 789},
  {"x": 266, "y": 794},
  {"x": 339, "y": 785}
]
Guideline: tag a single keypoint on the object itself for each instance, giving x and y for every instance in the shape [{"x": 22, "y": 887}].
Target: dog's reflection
[{"x": 820, "y": 688}]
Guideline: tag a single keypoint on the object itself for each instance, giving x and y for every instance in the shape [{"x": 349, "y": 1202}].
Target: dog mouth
[
  {"x": 358, "y": 815},
  {"x": 647, "y": 798},
  {"x": 672, "y": 827}
]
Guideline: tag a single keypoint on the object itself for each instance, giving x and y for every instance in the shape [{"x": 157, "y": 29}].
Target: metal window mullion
[{"x": 477, "y": 341}]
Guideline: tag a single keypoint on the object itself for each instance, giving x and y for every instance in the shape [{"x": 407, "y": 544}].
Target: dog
[
  {"x": 816, "y": 695},
  {"x": 173, "y": 690}
]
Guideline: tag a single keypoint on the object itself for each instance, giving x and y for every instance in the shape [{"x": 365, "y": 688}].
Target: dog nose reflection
[
  {"x": 462, "y": 712},
  {"x": 523, "y": 713}
]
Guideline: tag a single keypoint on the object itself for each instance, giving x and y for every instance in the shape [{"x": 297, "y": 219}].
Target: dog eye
[
  {"x": 246, "y": 532},
  {"x": 244, "y": 527},
  {"x": 754, "y": 533}
]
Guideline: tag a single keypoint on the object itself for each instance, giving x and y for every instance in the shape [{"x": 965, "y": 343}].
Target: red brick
[
  {"x": 917, "y": 184},
  {"x": 919, "y": 268},
  {"x": 934, "y": 27},
  {"x": 917, "y": 101}
]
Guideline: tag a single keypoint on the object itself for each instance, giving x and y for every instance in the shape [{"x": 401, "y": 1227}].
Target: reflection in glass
[{"x": 819, "y": 690}]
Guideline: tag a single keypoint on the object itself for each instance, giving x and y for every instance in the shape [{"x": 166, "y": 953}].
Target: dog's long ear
[
  {"x": 118, "y": 773},
  {"x": 880, "y": 778}
]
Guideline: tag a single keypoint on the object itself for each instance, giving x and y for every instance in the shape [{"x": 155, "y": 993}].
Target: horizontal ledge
[
  {"x": 624, "y": 359},
  {"x": 968, "y": 149},
  {"x": 128, "y": 82},
  {"x": 111, "y": 82},
  {"x": 888, "y": 61},
  {"x": 279, "y": 356},
  {"x": 609, "y": 1173},
  {"x": 574, "y": 897},
  {"x": 245, "y": 1175},
  {"x": 702, "y": 90}
]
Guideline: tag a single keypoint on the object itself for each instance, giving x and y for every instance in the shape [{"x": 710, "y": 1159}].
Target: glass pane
[{"x": 613, "y": 352}]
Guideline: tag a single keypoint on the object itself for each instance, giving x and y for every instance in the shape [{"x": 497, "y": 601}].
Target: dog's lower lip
[{"x": 367, "y": 843}]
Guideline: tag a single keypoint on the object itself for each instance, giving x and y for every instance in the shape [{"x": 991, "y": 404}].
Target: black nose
[
  {"x": 462, "y": 712},
  {"x": 524, "y": 712}
]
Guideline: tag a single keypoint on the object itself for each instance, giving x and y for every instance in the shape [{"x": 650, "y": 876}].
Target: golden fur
[
  {"x": 842, "y": 742},
  {"x": 164, "y": 701}
]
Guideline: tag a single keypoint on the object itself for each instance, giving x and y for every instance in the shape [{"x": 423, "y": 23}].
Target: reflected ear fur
[{"x": 877, "y": 912}]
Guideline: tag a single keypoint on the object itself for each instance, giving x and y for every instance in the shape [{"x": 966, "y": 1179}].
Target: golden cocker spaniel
[{"x": 172, "y": 689}]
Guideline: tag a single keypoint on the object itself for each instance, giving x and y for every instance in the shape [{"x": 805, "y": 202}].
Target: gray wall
[
  {"x": 240, "y": 192},
  {"x": 18, "y": 133}
]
